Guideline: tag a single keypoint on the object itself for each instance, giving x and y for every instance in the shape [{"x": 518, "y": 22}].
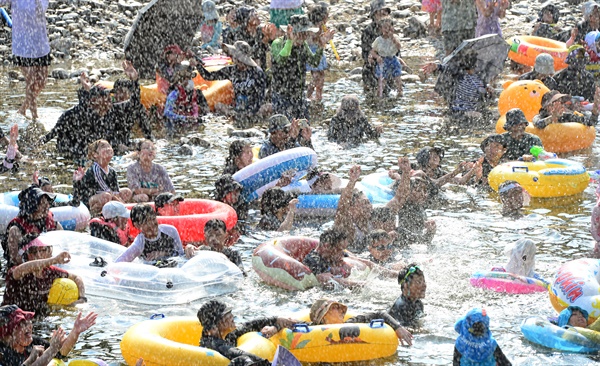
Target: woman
[
  {"x": 145, "y": 178},
  {"x": 19, "y": 347},
  {"x": 30, "y": 47},
  {"x": 277, "y": 208},
  {"x": 350, "y": 125},
  {"x": 240, "y": 156}
]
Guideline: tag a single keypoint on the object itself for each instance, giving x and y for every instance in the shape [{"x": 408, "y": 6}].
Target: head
[
  {"x": 325, "y": 311},
  {"x": 36, "y": 249},
  {"x": 227, "y": 190},
  {"x": 412, "y": 282},
  {"x": 556, "y": 103},
  {"x": 573, "y": 316},
  {"x": 232, "y": 17},
  {"x": 591, "y": 12},
  {"x": 362, "y": 208},
  {"x": 476, "y": 322},
  {"x": 332, "y": 244},
  {"x": 241, "y": 54},
  {"x": 549, "y": 14},
  {"x": 511, "y": 196},
  {"x": 34, "y": 203},
  {"x": 516, "y": 123},
  {"x": 184, "y": 75},
  {"x": 99, "y": 100},
  {"x": 216, "y": 318},
  {"x": 493, "y": 148},
  {"x": 302, "y": 28},
  {"x": 16, "y": 328},
  {"x": 215, "y": 234},
  {"x": 383, "y": 218},
  {"x": 167, "y": 202},
  {"x": 121, "y": 90},
  {"x": 544, "y": 64},
  {"x": 577, "y": 58},
  {"x": 279, "y": 129},
  {"x": 209, "y": 10},
  {"x": 430, "y": 157},
  {"x": 318, "y": 13},
  {"x": 469, "y": 62},
  {"x": 146, "y": 151},
  {"x": 378, "y": 10},
  {"x": 320, "y": 182},
  {"x": 240, "y": 154},
  {"x": 101, "y": 152},
  {"x": 380, "y": 245},
  {"x": 144, "y": 219},
  {"x": 116, "y": 212},
  {"x": 275, "y": 202},
  {"x": 172, "y": 54},
  {"x": 386, "y": 25},
  {"x": 46, "y": 184}
]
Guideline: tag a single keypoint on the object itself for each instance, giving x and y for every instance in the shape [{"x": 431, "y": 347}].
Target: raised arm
[
  {"x": 403, "y": 189},
  {"x": 35, "y": 265},
  {"x": 342, "y": 215}
]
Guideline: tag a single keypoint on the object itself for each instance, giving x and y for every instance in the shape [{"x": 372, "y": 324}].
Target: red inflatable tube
[{"x": 191, "y": 218}]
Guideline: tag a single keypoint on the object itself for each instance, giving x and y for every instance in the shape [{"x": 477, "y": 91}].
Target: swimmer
[
  {"x": 513, "y": 197},
  {"x": 112, "y": 225},
  {"x": 167, "y": 204},
  {"x": 574, "y": 316},
  {"x": 408, "y": 308},
  {"x": 277, "y": 208}
]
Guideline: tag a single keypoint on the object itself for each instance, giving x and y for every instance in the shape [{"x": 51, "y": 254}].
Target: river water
[{"x": 471, "y": 232}]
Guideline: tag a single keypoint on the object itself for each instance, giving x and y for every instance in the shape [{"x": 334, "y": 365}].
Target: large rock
[
  {"x": 415, "y": 28},
  {"x": 59, "y": 73}
]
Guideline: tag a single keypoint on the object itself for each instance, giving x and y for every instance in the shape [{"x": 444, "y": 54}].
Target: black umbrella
[
  {"x": 159, "y": 24},
  {"x": 491, "y": 51}
]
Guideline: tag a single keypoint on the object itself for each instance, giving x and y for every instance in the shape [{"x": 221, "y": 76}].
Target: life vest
[
  {"x": 186, "y": 105},
  {"x": 123, "y": 235},
  {"x": 164, "y": 243}
]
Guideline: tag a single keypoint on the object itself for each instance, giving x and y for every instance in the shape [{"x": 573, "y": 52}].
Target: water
[{"x": 471, "y": 233}]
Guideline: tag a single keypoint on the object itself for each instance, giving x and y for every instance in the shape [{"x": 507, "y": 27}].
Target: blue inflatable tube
[
  {"x": 378, "y": 187},
  {"x": 542, "y": 332},
  {"x": 6, "y": 17}
]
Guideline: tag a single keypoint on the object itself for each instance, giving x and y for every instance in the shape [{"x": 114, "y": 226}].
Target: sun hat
[
  {"x": 377, "y": 5},
  {"x": 167, "y": 197},
  {"x": 514, "y": 117},
  {"x": 301, "y": 23},
  {"x": 29, "y": 199},
  {"x": 10, "y": 317},
  {"x": 321, "y": 307},
  {"x": 544, "y": 64},
  {"x": 114, "y": 209},
  {"x": 552, "y": 97},
  {"x": 35, "y": 243},
  {"x": 209, "y": 10},
  {"x": 240, "y": 51}
]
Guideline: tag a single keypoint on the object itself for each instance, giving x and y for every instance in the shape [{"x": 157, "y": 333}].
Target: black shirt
[
  {"x": 517, "y": 148},
  {"x": 316, "y": 263},
  {"x": 546, "y": 79},
  {"x": 90, "y": 185},
  {"x": 10, "y": 357},
  {"x": 576, "y": 83},
  {"x": 407, "y": 312}
]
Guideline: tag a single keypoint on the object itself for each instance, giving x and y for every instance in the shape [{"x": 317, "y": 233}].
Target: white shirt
[
  {"x": 137, "y": 248},
  {"x": 29, "y": 34}
]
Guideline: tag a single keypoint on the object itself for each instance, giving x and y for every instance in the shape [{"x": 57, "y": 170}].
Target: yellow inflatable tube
[
  {"x": 559, "y": 137},
  {"x": 550, "y": 178},
  {"x": 175, "y": 340}
]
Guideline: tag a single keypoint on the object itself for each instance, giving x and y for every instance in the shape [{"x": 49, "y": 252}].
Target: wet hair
[
  {"x": 273, "y": 200},
  {"x": 404, "y": 276},
  {"x": 93, "y": 148},
  {"x": 235, "y": 150},
  {"x": 140, "y": 212},
  {"x": 332, "y": 237},
  {"x": 424, "y": 155},
  {"x": 492, "y": 138},
  {"x": 506, "y": 184},
  {"x": 377, "y": 235},
  {"x": 138, "y": 148},
  {"x": 215, "y": 224},
  {"x": 318, "y": 12}
]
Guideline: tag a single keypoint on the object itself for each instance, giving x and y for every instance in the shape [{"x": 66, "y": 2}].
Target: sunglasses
[{"x": 411, "y": 270}]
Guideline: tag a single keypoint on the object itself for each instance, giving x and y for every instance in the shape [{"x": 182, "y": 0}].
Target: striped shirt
[{"x": 468, "y": 93}]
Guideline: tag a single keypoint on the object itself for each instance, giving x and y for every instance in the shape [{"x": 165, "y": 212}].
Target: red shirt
[{"x": 30, "y": 293}]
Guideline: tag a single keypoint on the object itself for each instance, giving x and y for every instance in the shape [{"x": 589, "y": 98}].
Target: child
[
  {"x": 513, "y": 198},
  {"x": 475, "y": 344},
  {"x": 99, "y": 184},
  {"x": 318, "y": 16},
  {"x": 155, "y": 243},
  {"x": 211, "y": 27},
  {"x": 10, "y": 161},
  {"x": 215, "y": 239},
  {"x": 277, "y": 209},
  {"x": 240, "y": 156},
  {"x": 384, "y": 51},
  {"x": 592, "y": 46},
  {"x": 185, "y": 104},
  {"x": 489, "y": 13},
  {"x": 574, "y": 316},
  {"x": 167, "y": 204},
  {"x": 408, "y": 308},
  {"x": 429, "y": 161},
  {"x": 434, "y": 8},
  {"x": 381, "y": 249},
  {"x": 167, "y": 66},
  {"x": 146, "y": 178},
  {"x": 350, "y": 125},
  {"x": 112, "y": 226}
]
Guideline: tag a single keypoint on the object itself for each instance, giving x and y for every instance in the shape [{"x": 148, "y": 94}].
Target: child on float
[
  {"x": 18, "y": 345},
  {"x": 240, "y": 156},
  {"x": 574, "y": 316},
  {"x": 185, "y": 104},
  {"x": 325, "y": 311},
  {"x": 112, "y": 225},
  {"x": 318, "y": 15},
  {"x": 513, "y": 197},
  {"x": 475, "y": 344},
  {"x": 408, "y": 308},
  {"x": 215, "y": 239},
  {"x": 277, "y": 208},
  {"x": 28, "y": 284},
  {"x": 99, "y": 184},
  {"x": 384, "y": 50},
  {"x": 167, "y": 204},
  {"x": 350, "y": 126},
  {"x": 155, "y": 243},
  {"x": 211, "y": 27},
  {"x": 220, "y": 333},
  {"x": 145, "y": 178}
]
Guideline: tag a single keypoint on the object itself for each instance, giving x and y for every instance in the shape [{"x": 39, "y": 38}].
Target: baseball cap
[
  {"x": 114, "y": 209},
  {"x": 35, "y": 243},
  {"x": 10, "y": 317}
]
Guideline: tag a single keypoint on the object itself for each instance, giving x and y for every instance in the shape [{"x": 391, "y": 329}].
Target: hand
[
  {"x": 268, "y": 331},
  {"x": 574, "y": 33},
  {"x": 287, "y": 322},
  {"x": 78, "y": 174},
  {"x": 430, "y": 67},
  {"x": 404, "y": 165},
  {"x": 404, "y": 336},
  {"x": 289, "y": 33},
  {"x": 292, "y": 205},
  {"x": 354, "y": 173},
  {"x": 140, "y": 362},
  {"x": 62, "y": 258},
  {"x": 85, "y": 81},
  {"x": 13, "y": 134},
  {"x": 461, "y": 167},
  {"x": 58, "y": 338},
  {"x": 294, "y": 129},
  {"x": 190, "y": 251},
  {"x": 393, "y": 174},
  {"x": 35, "y": 178},
  {"x": 130, "y": 71},
  {"x": 325, "y": 37},
  {"x": 36, "y": 351},
  {"x": 85, "y": 323},
  {"x": 286, "y": 178}
]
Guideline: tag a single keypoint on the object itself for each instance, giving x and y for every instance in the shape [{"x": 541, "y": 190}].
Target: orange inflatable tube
[
  {"x": 524, "y": 50},
  {"x": 191, "y": 217},
  {"x": 523, "y": 94}
]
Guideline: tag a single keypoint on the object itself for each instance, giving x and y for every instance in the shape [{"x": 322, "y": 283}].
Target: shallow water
[{"x": 471, "y": 232}]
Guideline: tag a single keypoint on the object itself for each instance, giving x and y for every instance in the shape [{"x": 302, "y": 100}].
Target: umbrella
[
  {"x": 491, "y": 51},
  {"x": 159, "y": 24}
]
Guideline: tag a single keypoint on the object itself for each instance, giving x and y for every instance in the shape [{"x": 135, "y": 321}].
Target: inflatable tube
[
  {"x": 542, "y": 332},
  {"x": 523, "y": 94},
  {"x": 339, "y": 342},
  {"x": 559, "y": 137},
  {"x": 524, "y": 50},
  {"x": 507, "y": 282},
  {"x": 207, "y": 274},
  {"x": 6, "y": 17},
  {"x": 193, "y": 215},
  {"x": 378, "y": 187},
  {"x": 160, "y": 342},
  {"x": 279, "y": 263},
  {"x": 577, "y": 283},
  {"x": 71, "y": 218},
  {"x": 549, "y": 178},
  {"x": 258, "y": 177},
  {"x": 63, "y": 292}
]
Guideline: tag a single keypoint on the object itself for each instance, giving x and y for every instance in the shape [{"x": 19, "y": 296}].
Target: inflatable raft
[
  {"x": 507, "y": 282},
  {"x": 207, "y": 274},
  {"x": 573, "y": 339}
]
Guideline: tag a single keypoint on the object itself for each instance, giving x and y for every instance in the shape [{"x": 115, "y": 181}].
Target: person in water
[
  {"x": 385, "y": 50},
  {"x": 325, "y": 311},
  {"x": 185, "y": 104},
  {"x": 167, "y": 67},
  {"x": 282, "y": 136},
  {"x": 112, "y": 225},
  {"x": 12, "y": 157},
  {"x": 167, "y": 204},
  {"x": 574, "y": 316},
  {"x": 220, "y": 333},
  {"x": 556, "y": 108},
  {"x": 380, "y": 245},
  {"x": 512, "y": 195},
  {"x": 211, "y": 27},
  {"x": 516, "y": 140},
  {"x": 546, "y": 25},
  {"x": 408, "y": 308},
  {"x": 240, "y": 156},
  {"x": 429, "y": 161},
  {"x": 575, "y": 79},
  {"x": 493, "y": 150},
  {"x": 475, "y": 344},
  {"x": 350, "y": 126},
  {"x": 543, "y": 70},
  {"x": 228, "y": 191},
  {"x": 277, "y": 209},
  {"x": 155, "y": 242},
  {"x": 145, "y": 178}
]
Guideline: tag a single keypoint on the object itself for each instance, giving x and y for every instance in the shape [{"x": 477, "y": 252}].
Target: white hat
[{"x": 114, "y": 209}]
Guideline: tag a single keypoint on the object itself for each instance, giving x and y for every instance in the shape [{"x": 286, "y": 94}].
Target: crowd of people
[{"x": 269, "y": 76}]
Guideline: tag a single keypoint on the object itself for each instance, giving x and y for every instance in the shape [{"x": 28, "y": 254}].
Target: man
[
  {"x": 516, "y": 141},
  {"x": 575, "y": 79},
  {"x": 542, "y": 71},
  {"x": 282, "y": 136}
]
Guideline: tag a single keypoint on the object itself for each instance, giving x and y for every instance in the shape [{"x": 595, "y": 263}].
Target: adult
[
  {"x": 459, "y": 19},
  {"x": 408, "y": 308},
  {"x": 350, "y": 126},
  {"x": 590, "y": 23},
  {"x": 377, "y": 10},
  {"x": 489, "y": 14},
  {"x": 240, "y": 156},
  {"x": 30, "y": 47},
  {"x": 543, "y": 70},
  {"x": 145, "y": 178},
  {"x": 556, "y": 109},
  {"x": 282, "y": 136},
  {"x": 18, "y": 345},
  {"x": 493, "y": 149},
  {"x": 126, "y": 96},
  {"x": 575, "y": 79},
  {"x": 248, "y": 79},
  {"x": 290, "y": 55},
  {"x": 33, "y": 219},
  {"x": 428, "y": 160},
  {"x": 249, "y": 31},
  {"x": 546, "y": 24},
  {"x": 515, "y": 139},
  {"x": 277, "y": 208}
]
